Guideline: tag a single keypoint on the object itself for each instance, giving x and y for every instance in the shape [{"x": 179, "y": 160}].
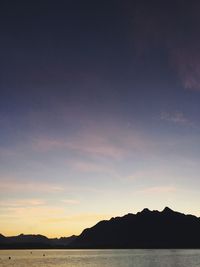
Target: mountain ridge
[
  {"x": 145, "y": 229},
  {"x": 34, "y": 241}
]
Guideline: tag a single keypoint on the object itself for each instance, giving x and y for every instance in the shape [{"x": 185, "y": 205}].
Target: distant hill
[
  {"x": 146, "y": 229},
  {"x": 34, "y": 241}
]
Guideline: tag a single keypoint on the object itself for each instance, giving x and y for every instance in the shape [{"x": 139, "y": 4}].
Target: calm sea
[{"x": 100, "y": 258}]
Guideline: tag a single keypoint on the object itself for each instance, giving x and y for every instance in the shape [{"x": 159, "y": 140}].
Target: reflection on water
[{"x": 100, "y": 258}]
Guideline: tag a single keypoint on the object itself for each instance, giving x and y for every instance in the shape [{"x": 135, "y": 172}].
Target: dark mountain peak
[
  {"x": 32, "y": 236},
  {"x": 21, "y": 235},
  {"x": 145, "y": 211},
  {"x": 167, "y": 210}
]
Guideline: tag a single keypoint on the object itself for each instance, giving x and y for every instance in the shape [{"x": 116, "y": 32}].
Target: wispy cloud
[
  {"x": 70, "y": 201},
  {"x": 153, "y": 29},
  {"x": 97, "y": 141},
  {"x": 46, "y": 144},
  {"x": 16, "y": 185},
  {"x": 155, "y": 173},
  {"x": 187, "y": 62},
  {"x": 22, "y": 203},
  {"x": 87, "y": 144},
  {"x": 96, "y": 145},
  {"x": 175, "y": 117},
  {"x": 92, "y": 167},
  {"x": 86, "y": 166},
  {"x": 159, "y": 190},
  {"x": 27, "y": 211},
  {"x": 142, "y": 175}
]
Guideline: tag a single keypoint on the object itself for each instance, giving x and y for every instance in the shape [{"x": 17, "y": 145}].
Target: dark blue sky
[{"x": 102, "y": 55}]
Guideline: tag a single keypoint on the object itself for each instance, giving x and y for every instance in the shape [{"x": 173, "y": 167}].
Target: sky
[{"x": 99, "y": 111}]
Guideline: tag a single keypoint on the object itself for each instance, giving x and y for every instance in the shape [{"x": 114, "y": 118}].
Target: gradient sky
[{"x": 99, "y": 111}]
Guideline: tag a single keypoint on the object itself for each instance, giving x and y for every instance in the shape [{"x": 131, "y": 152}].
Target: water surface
[{"x": 100, "y": 258}]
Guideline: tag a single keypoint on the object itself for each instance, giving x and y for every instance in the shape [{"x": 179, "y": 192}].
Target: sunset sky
[{"x": 99, "y": 111}]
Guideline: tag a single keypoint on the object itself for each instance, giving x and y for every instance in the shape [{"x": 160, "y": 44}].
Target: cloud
[
  {"x": 187, "y": 63},
  {"x": 102, "y": 141},
  {"x": 159, "y": 190},
  {"x": 97, "y": 146},
  {"x": 32, "y": 212},
  {"x": 87, "y": 166},
  {"x": 91, "y": 167},
  {"x": 175, "y": 117},
  {"x": 16, "y": 185},
  {"x": 87, "y": 143},
  {"x": 47, "y": 144},
  {"x": 22, "y": 203},
  {"x": 178, "y": 36},
  {"x": 144, "y": 174},
  {"x": 70, "y": 201}
]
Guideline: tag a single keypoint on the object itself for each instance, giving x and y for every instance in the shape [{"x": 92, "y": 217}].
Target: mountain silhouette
[
  {"x": 34, "y": 241},
  {"x": 146, "y": 229}
]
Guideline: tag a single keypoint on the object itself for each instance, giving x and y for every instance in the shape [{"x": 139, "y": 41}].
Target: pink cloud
[
  {"x": 87, "y": 166},
  {"x": 97, "y": 141},
  {"x": 96, "y": 145},
  {"x": 71, "y": 201},
  {"x": 16, "y": 185},
  {"x": 186, "y": 61},
  {"x": 92, "y": 145},
  {"x": 47, "y": 144},
  {"x": 22, "y": 202},
  {"x": 152, "y": 29},
  {"x": 159, "y": 190}
]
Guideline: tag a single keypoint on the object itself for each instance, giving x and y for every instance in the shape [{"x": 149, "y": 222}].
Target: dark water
[{"x": 100, "y": 258}]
